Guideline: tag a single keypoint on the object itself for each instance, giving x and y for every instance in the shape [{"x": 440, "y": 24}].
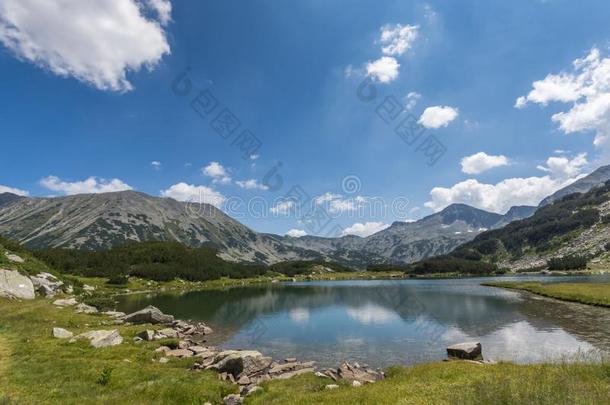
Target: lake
[{"x": 388, "y": 322}]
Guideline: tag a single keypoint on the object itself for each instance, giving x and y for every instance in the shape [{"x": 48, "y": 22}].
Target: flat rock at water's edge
[{"x": 466, "y": 351}]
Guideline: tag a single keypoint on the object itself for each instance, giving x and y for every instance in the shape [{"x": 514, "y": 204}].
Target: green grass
[
  {"x": 455, "y": 383},
  {"x": 584, "y": 293},
  {"x": 36, "y": 368}
]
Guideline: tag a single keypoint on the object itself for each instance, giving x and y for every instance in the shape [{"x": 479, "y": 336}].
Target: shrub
[
  {"x": 101, "y": 303},
  {"x": 119, "y": 279},
  {"x": 105, "y": 376},
  {"x": 573, "y": 262}
]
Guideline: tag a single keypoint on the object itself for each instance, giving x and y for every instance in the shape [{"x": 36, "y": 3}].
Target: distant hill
[
  {"x": 595, "y": 179},
  {"x": 408, "y": 242}
]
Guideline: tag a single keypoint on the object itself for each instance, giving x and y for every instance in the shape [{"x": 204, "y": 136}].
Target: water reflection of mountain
[{"x": 473, "y": 310}]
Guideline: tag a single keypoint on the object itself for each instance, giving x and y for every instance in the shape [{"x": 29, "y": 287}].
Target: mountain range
[{"x": 100, "y": 221}]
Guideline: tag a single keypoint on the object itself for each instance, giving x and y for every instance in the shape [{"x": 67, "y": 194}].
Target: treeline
[
  {"x": 440, "y": 265},
  {"x": 165, "y": 261},
  {"x": 574, "y": 262},
  {"x": 160, "y": 261}
]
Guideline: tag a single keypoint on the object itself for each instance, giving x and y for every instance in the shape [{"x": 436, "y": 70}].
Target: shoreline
[
  {"x": 565, "y": 291},
  {"x": 143, "y": 286},
  {"x": 76, "y": 371}
]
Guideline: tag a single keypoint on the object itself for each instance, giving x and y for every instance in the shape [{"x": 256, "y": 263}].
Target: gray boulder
[
  {"x": 466, "y": 351},
  {"x": 13, "y": 257},
  {"x": 15, "y": 285},
  {"x": 147, "y": 335},
  {"x": 61, "y": 333},
  {"x": 149, "y": 314},
  {"x": 47, "y": 284},
  {"x": 102, "y": 338},
  {"x": 85, "y": 309},
  {"x": 236, "y": 362}
]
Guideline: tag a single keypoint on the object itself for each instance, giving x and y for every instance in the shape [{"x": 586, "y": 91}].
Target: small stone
[
  {"x": 254, "y": 389},
  {"x": 331, "y": 387},
  {"x": 179, "y": 353},
  {"x": 290, "y": 360},
  {"x": 61, "y": 333},
  {"x": 163, "y": 360},
  {"x": 232, "y": 399},
  {"x": 243, "y": 380},
  {"x": 13, "y": 257},
  {"x": 147, "y": 335},
  {"x": 85, "y": 309},
  {"x": 69, "y": 302},
  {"x": 162, "y": 349},
  {"x": 137, "y": 339}
]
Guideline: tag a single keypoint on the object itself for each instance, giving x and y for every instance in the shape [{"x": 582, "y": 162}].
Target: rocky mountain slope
[
  {"x": 405, "y": 242},
  {"x": 595, "y": 179},
  {"x": 577, "y": 225},
  {"x": 99, "y": 221}
]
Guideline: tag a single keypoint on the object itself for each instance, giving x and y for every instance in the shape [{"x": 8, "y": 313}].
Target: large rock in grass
[
  {"x": 47, "y": 284},
  {"x": 102, "y": 338},
  {"x": 466, "y": 351},
  {"x": 15, "y": 285},
  {"x": 236, "y": 362},
  {"x": 149, "y": 314}
]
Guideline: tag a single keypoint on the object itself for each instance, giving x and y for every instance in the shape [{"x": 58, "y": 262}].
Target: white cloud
[
  {"x": 480, "y": 162},
  {"x": 282, "y": 207},
  {"x": 7, "y": 189},
  {"x": 163, "y": 8},
  {"x": 97, "y": 42},
  {"x": 217, "y": 172},
  {"x": 563, "y": 167},
  {"x": 384, "y": 69},
  {"x": 586, "y": 89},
  {"x": 397, "y": 39},
  {"x": 155, "y": 164},
  {"x": 337, "y": 204},
  {"x": 251, "y": 184},
  {"x": 296, "y": 233},
  {"x": 254, "y": 157},
  {"x": 192, "y": 193},
  {"x": 411, "y": 100},
  {"x": 92, "y": 185},
  {"x": 366, "y": 229},
  {"x": 438, "y": 116},
  {"x": 498, "y": 197}
]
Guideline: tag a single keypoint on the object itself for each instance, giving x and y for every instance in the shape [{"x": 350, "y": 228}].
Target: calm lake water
[{"x": 381, "y": 323}]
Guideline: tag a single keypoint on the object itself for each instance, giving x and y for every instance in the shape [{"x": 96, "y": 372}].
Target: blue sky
[{"x": 98, "y": 102}]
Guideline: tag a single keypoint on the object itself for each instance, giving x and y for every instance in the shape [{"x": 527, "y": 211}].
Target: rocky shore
[{"x": 244, "y": 368}]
